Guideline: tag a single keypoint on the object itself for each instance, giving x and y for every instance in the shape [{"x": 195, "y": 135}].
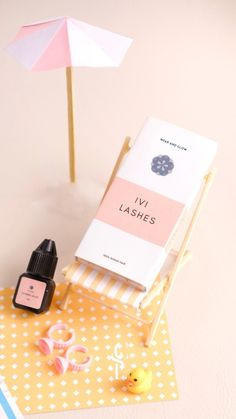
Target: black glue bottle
[{"x": 35, "y": 287}]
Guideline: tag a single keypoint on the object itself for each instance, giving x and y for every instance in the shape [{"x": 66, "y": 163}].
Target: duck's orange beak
[{"x": 129, "y": 383}]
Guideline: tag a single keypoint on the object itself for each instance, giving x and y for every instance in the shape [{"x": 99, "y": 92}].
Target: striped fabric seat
[{"x": 107, "y": 285}]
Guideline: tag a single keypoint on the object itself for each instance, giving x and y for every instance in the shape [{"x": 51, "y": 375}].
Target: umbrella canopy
[{"x": 67, "y": 42}]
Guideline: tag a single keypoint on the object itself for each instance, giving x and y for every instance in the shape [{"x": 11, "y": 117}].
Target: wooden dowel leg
[
  {"x": 156, "y": 320},
  {"x": 65, "y": 299},
  {"x": 186, "y": 257},
  {"x": 208, "y": 181},
  {"x": 124, "y": 150},
  {"x": 152, "y": 294},
  {"x": 70, "y": 124}
]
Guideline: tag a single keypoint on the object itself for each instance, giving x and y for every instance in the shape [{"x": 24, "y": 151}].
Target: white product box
[{"x": 156, "y": 182}]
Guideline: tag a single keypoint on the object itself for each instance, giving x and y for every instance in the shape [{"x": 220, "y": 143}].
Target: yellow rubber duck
[{"x": 139, "y": 380}]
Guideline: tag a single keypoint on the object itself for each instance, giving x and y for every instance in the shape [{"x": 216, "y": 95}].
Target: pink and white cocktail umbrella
[{"x": 67, "y": 42}]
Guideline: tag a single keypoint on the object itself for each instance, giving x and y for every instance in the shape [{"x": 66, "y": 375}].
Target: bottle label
[{"x": 30, "y": 292}]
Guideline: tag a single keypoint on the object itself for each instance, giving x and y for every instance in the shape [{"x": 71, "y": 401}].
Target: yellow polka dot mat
[{"x": 115, "y": 343}]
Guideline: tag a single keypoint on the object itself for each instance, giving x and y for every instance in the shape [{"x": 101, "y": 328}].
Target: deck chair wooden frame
[{"x": 165, "y": 283}]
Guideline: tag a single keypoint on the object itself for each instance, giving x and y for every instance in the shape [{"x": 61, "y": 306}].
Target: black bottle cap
[{"x": 43, "y": 260}]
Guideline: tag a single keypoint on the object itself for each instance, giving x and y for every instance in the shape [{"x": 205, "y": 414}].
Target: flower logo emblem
[{"x": 162, "y": 165}]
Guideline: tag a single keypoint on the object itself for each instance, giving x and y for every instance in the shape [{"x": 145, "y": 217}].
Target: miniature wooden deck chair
[{"x": 124, "y": 298}]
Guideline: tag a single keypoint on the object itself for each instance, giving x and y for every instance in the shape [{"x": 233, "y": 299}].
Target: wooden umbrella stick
[{"x": 70, "y": 124}]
